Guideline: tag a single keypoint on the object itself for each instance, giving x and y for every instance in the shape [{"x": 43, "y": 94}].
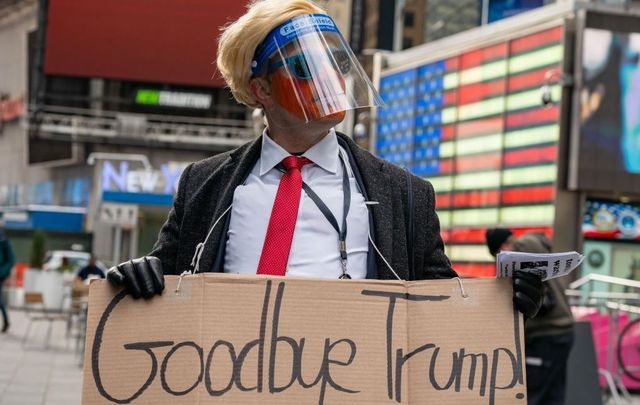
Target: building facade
[{"x": 92, "y": 154}]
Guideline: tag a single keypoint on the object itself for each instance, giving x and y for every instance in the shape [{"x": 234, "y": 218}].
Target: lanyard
[{"x": 346, "y": 203}]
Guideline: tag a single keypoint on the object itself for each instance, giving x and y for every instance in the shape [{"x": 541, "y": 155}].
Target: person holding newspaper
[
  {"x": 549, "y": 336},
  {"x": 302, "y": 199}
]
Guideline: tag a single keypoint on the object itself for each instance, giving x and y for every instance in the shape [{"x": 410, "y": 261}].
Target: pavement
[{"x": 34, "y": 373}]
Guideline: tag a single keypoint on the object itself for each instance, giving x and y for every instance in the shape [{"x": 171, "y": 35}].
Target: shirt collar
[{"x": 324, "y": 153}]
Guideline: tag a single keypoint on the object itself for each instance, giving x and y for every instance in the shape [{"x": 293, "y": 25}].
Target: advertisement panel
[
  {"x": 163, "y": 41},
  {"x": 608, "y": 148},
  {"x": 611, "y": 220},
  {"x": 473, "y": 124}
]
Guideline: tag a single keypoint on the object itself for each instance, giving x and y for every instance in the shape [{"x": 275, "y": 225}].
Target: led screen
[
  {"x": 473, "y": 125},
  {"x": 610, "y": 220},
  {"x": 608, "y": 157},
  {"x": 166, "y": 41}
]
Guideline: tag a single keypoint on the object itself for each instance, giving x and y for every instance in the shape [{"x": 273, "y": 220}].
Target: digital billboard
[
  {"x": 164, "y": 41},
  {"x": 611, "y": 220},
  {"x": 608, "y": 149},
  {"x": 474, "y": 126}
]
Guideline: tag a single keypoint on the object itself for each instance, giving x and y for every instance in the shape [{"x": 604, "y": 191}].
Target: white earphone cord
[
  {"x": 383, "y": 258},
  {"x": 195, "y": 261}
]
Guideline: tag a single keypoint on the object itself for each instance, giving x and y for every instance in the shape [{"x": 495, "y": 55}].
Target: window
[{"x": 409, "y": 18}]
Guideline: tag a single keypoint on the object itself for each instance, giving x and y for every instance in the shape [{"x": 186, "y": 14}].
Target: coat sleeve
[
  {"x": 435, "y": 263},
  {"x": 166, "y": 247}
]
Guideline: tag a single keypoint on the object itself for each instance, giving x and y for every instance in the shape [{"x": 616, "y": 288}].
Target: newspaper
[{"x": 546, "y": 265}]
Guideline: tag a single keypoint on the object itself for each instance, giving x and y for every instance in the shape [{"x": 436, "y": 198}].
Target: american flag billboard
[{"x": 474, "y": 126}]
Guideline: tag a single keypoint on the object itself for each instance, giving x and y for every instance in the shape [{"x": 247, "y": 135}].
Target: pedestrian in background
[
  {"x": 549, "y": 335},
  {"x": 7, "y": 261},
  {"x": 90, "y": 271},
  {"x": 65, "y": 266}
]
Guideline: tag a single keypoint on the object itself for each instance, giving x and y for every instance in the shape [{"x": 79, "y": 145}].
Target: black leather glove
[
  {"x": 548, "y": 300},
  {"x": 528, "y": 293},
  {"x": 141, "y": 277}
]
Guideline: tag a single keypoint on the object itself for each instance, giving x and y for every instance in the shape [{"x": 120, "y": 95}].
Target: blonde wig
[{"x": 239, "y": 40}]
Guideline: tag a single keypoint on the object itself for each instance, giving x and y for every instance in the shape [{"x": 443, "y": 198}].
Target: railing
[
  {"x": 581, "y": 293},
  {"x": 83, "y": 125}
]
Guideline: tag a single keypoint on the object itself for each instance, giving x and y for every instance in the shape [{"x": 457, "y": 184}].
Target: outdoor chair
[
  {"x": 36, "y": 311},
  {"x": 77, "y": 316}
]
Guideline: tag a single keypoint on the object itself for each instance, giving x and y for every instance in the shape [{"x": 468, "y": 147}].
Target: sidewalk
[{"x": 31, "y": 374}]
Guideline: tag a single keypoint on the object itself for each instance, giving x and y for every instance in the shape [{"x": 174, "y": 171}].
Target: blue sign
[
  {"x": 56, "y": 220},
  {"x": 499, "y": 9}
]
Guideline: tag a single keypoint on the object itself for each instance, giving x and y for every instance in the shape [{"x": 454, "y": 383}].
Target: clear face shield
[{"x": 313, "y": 72}]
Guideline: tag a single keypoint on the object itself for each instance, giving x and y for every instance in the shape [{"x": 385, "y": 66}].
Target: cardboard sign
[{"x": 255, "y": 340}]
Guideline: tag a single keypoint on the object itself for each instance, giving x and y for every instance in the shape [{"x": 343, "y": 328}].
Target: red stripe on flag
[
  {"x": 522, "y": 195},
  {"x": 446, "y": 166},
  {"x": 478, "y": 91},
  {"x": 483, "y": 270},
  {"x": 477, "y": 235},
  {"x": 443, "y": 200},
  {"x": 450, "y": 97},
  {"x": 536, "y": 40},
  {"x": 467, "y": 235},
  {"x": 540, "y": 115},
  {"x": 452, "y": 64},
  {"x": 542, "y": 154},
  {"x": 448, "y": 132},
  {"x": 478, "y": 162},
  {"x": 527, "y": 80},
  {"x": 477, "y": 57},
  {"x": 444, "y": 233},
  {"x": 479, "y": 198},
  {"x": 547, "y": 230},
  {"x": 483, "y": 126}
]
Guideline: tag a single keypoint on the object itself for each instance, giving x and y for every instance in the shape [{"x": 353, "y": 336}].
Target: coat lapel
[
  {"x": 233, "y": 173},
  {"x": 378, "y": 189}
]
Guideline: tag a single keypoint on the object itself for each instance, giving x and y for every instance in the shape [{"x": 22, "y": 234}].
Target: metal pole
[
  {"x": 117, "y": 244},
  {"x": 398, "y": 25},
  {"x": 133, "y": 243},
  {"x": 485, "y": 12}
]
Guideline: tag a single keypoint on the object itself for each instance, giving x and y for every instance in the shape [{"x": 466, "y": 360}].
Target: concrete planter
[
  {"x": 14, "y": 297},
  {"x": 50, "y": 283}
]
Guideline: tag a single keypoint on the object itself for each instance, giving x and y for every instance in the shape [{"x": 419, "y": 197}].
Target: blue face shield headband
[
  {"x": 288, "y": 31},
  {"x": 313, "y": 72}
]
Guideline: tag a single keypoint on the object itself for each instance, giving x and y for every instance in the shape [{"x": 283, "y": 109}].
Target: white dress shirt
[{"x": 314, "y": 249}]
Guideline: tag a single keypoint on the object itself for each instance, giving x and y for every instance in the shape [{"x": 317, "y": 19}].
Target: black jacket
[
  {"x": 206, "y": 190},
  {"x": 555, "y": 317}
]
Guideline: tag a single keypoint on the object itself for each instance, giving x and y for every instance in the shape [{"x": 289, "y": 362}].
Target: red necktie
[{"x": 277, "y": 242}]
